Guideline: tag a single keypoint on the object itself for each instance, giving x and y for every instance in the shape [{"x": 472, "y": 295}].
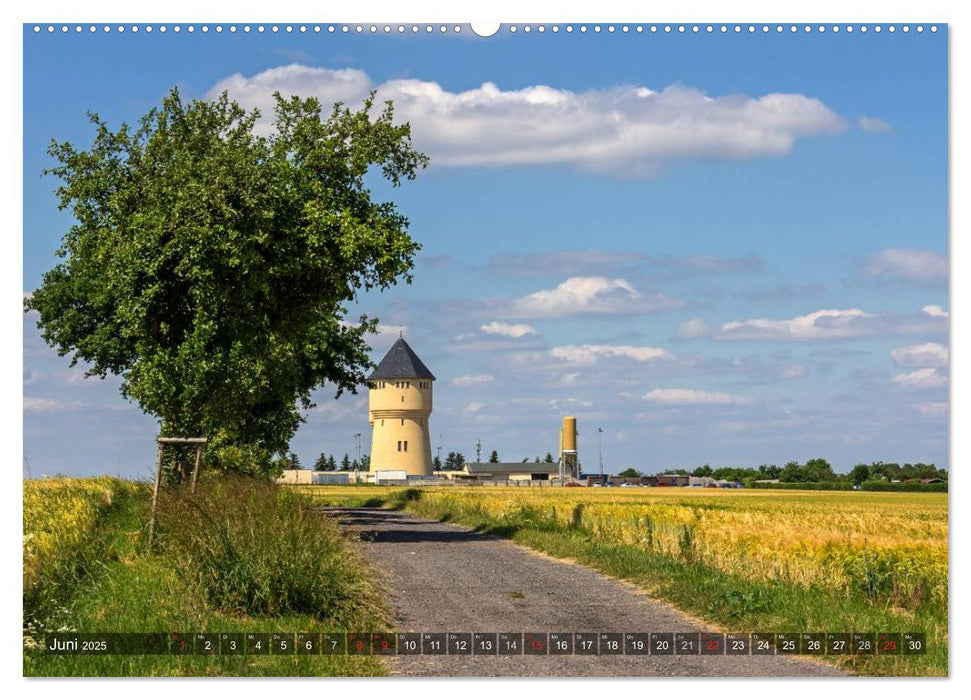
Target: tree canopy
[{"x": 211, "y": 262}]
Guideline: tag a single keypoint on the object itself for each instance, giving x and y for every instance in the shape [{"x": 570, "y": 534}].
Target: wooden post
[
  {"x": 158, "y": 481},
  {"x": 195, "y": 472}
]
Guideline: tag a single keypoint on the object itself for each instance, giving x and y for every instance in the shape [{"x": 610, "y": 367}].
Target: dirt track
[{"x": 446, "y": 578}]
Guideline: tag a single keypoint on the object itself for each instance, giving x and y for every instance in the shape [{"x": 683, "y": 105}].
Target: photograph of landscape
[{"x": 520, "y": 350}]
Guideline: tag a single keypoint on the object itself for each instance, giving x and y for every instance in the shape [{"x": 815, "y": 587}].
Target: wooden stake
[
  {"x": 195, "y": 472},
  {"x": 158, "y": 481}
]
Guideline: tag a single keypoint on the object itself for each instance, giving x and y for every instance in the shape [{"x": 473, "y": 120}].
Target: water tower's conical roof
[{"x": 401, "y": 362}]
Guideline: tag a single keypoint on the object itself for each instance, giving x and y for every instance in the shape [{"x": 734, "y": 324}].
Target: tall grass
[
  {"x": 255, "y": 549},
  {"x": 63, "y": 544}
]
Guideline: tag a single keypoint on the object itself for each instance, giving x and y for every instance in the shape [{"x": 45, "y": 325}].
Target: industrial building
[{"x": 510, "y": 471}]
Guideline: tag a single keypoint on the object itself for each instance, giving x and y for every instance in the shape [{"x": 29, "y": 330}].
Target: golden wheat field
[
  {"x": 59, "y": 513},
  {"x": 887, "y": 545}
]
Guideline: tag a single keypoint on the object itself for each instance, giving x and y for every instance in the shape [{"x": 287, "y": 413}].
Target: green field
[
  {"x": 87, "y": 568},
  {"x": 745, "y": 561}
]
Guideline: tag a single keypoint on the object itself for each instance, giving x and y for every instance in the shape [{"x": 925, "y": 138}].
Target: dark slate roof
[{"x": 401, "y": 362}]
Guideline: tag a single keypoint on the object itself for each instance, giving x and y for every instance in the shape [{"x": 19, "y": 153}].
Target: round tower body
[
  {"x": 399, "y": 406},
  {"x": 398, "y": 412}
]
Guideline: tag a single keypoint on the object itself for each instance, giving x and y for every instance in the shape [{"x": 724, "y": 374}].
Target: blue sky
[{"x": 719, "y": 248}]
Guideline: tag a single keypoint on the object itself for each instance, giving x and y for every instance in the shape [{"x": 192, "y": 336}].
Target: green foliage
[
  {"x": 256, "y": 549},
  {"x": 223, "y": 455},
  {"x": 494, "y": 457},
  {"x": 630, "y": 472},
  {"x": 548, "y": 458},
  {"x": 807, "y": 486},
  {"x": 209, "y": 266},
  {"x": 913, "y": 487}
]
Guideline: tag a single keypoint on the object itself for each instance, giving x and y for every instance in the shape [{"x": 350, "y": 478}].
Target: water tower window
[
  {"x": 399, "y": 445},
  {"x": 406, "y": 446}
]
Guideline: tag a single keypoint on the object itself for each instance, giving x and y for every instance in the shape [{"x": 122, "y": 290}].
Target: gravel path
[{"x": 449, "y": 579}]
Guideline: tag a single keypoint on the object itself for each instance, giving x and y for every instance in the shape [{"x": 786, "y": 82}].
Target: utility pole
[
  {"x": 478, "y": 451},
  {"x": 600, "y": 452}
]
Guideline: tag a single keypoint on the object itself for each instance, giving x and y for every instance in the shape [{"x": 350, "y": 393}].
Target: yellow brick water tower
[{"x": 400, "y": 402}]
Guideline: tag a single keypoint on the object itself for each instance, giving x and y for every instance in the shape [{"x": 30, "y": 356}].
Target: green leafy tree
[
  {"x": 210, "y": 266},
  {"x": 819, "y": 470},
  {"x": 346, "y": 463},
  {"x": 630, "y": 472},
  {"x": 355, "y": 465},
  {"x": 365, "y": 463},
  {"x": 494, "y": 457},
  {"x": 792, "y": 471},
  {"x": 320, "y": 464},
  {"x": 548, "y": 458},
  {"x": 293, "y": 461},
  {"x": 859, "y": 474},
  {"x": 437, "y": 463},
  {"x": 703, "y": 470},
  {"x": 331, "y": 464}
]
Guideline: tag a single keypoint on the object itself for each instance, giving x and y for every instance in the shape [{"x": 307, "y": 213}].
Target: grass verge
[{"x": 216, "y": 573}]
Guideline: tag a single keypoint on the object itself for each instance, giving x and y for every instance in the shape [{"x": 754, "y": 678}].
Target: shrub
[{"x": 257, "y": 549}]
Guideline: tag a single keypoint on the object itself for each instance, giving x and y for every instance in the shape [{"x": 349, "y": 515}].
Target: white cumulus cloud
[
  {"x": 873, "y": 125},
  {"x": 510, "y": 330},
  {"x": 467, "y": 380},
  {"x": 935, "y": 311},
  {"x": 590, "y": 295},
  {"x": 694, "y": 328},
  {"x": 926, "y": 378},
  {"x": 824, "y": 324},
  {"x": 923, "y": 355},
  {"x": 589, "y": 354},
  {"x": 694, "y": 397},
  {"x": 37, "y": 404},
  {"x": 931, "y": 409},
  {"x": 907, "y": 264},
  {"x": 626, "y": 129}
]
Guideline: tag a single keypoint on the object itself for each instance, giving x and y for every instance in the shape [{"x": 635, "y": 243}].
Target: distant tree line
[
  {"x": 814, "y": 471},
  {"x": 329, "y": 463}
]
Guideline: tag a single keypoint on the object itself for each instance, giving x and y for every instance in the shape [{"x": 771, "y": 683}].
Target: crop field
[
  {"x": 59, "y": 514},
  {"x": 752, "y": 557}
]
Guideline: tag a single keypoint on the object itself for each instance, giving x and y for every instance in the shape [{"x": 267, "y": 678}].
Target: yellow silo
[
  {"x": 399, "y": 405},
  {"x": 569, "y": 459},
  {"x": 569, "y": 441}
]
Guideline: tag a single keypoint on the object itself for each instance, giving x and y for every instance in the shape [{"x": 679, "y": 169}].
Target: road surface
[{"x": 447, "y": 578}]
